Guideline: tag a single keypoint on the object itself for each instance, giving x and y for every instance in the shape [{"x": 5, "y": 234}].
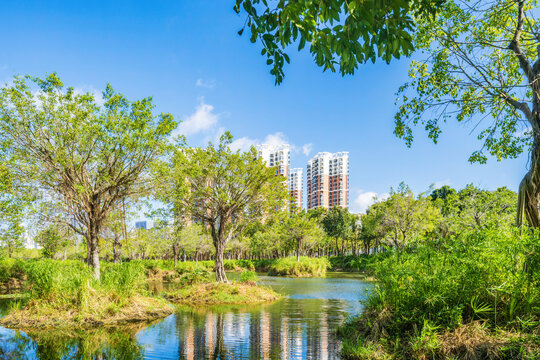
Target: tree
[
  {"x": 225, "y": 190},
  {"x": 89, "y": 157},
  {"x": 472, "y": 207},
  {"x": 301, "y": 232},
  {"x": 53, "y": 239},
  {"x": 339, "y": 224},
  {"x": 342, "y": 33},
  {"x": 480, "y": 61},
  {"x": 403, "y": 218}
]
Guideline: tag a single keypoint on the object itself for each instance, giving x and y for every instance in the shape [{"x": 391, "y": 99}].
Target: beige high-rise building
[{"x": 328, "y": 180}]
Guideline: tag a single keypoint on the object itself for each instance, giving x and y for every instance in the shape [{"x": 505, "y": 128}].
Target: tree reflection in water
[{"x": 104, "y": 343}]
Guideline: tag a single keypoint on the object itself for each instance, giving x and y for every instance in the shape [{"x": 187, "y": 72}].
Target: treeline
[{"x": 75, "y": 172}]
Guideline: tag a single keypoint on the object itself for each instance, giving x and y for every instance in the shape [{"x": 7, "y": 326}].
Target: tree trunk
[
  {"x": 529, "y": 191},
  {"x": 220, "y": 269},
  {"x": 93, "y": 244},
  {"x": 175, "y": 254}
]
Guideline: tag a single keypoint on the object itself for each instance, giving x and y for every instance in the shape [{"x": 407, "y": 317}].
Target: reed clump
[{"x": 65, "y": 294}]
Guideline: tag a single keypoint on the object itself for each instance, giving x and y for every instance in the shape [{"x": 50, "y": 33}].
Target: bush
[
  {"x": 10, "y": 269},
  {"x": 196, "y": 276},
  {"x": 305, "y": 267},
  {"x": 248, "y": 276},
  {"x": 492, "y": 277}
]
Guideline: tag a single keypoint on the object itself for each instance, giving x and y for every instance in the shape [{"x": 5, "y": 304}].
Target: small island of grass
[
  {"x": 302, "y": 267},
  {"x": 198, "y": 288},
  {"x": 220, "y": 293},
  {"x": 65, "y": 295}
]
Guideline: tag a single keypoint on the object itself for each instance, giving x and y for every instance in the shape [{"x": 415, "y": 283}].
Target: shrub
[
  {"x": 196, "y": 276},
  {"x": 432, "y": 288},
  {"x": 248, "y": 276},
  {"x": 305, "y": 267}
]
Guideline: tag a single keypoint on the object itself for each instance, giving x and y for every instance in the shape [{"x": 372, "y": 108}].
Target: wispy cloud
[
  {"x": 204, "y": 119},
  {"x": 364, "y": 199},
  {"x": 245, "y": 143},
  {"x": 206, "y": 83},
  {"x": 307, "y": 148}
]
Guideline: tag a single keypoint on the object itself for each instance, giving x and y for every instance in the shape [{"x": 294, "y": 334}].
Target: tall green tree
[
  {"x": 339, "y": 224},
  {"x": 225, "y": 190},
  {"x": 301, "y": 233},
  {"x": 479, "y": 63},
  {"x": 404, "y": 218},
  {"x": 87, "y": 156},
  {"x": 341, "y": 33}
]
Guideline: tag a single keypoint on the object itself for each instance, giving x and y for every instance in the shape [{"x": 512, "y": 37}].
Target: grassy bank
[
  {"x": 304, "y": 267},
  {"x": 63, "y": 294},
  {"x": 198, "y": 288},
  {"x": 476, "y": 296}
]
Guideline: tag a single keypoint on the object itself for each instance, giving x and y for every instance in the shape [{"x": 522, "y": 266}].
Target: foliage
[
  {"x": 303, "y": 267},
  {"x": 83, "y": 155},
  {"x": 483, "y": 275},
  {"x": 471, "y": 208},
  {"x": 225, "y": 190},
  {"x": 479, "y": 60},
  {"x": 248, "y": 276},
  {"x": 342, "y": 33},
  {"x": 196, "y": 276},
  {"x": 401, "y": 218},
  {"x": 300, "y": 232},
  {"x": 53, "y": 239},
  {"x": 219, "y": 293}
]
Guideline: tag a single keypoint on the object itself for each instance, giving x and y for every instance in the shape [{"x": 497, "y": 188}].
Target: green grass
[
  {"x": 64, "y": 293},
  {"x": 213, "y": 293},
  {"x": 306, "y": 267},
  {"x": 479, "y": 293}
]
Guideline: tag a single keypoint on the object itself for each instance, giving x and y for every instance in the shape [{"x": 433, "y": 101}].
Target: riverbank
[{"x": 473, "y": 296}]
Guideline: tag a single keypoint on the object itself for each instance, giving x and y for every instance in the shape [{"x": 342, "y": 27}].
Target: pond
[{"x": 300, "y": 326}]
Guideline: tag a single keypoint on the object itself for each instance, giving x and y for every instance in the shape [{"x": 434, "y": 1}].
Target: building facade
[
  {"x": 295, "y": 186},
  {"x": 276, "y": 155},
  {"x": 328, "y": 180},
  {"x": 279, "y": 156}
]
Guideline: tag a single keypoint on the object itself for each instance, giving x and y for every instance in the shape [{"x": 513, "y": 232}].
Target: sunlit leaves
[{"x": 342, "y": 34}]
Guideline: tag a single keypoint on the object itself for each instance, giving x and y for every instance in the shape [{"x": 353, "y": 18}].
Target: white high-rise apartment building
[
  {"x": 295, "y": 185},
  {"x": 276, "y": 155},
  {"x": 279, "y": 156},
  {"x": 328, "y": 180}
]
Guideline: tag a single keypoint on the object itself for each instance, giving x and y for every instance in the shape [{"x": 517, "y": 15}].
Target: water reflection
[
  {"x": 300, "y": 326},
  {"x": 95, "y": 344},
  {"x": 261, "y": 332}
]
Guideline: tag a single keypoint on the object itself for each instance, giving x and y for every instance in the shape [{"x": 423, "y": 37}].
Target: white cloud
[
  {"x": 209, "y": 84},
  {"x": 98, "y": 95},
  {"x": 306, "y": 148},
  {"x": 202, "y": 120},
  {"x": 245, "y": 143},
  {"x": 364, "y": 199},
  {"x": 441, "y": 183}
]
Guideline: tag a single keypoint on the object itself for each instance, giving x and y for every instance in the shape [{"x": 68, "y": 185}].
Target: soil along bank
[
  {"x": 63, "y": 294},
  {"x": 305, "y": 267},
  {"x": 473, "y": 296}
]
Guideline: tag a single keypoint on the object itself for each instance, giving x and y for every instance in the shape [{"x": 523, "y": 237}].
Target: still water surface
[{"x": 300, "y": 326}]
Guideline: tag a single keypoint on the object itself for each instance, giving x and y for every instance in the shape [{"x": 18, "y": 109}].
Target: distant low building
[{"x": 140, "y": 225}]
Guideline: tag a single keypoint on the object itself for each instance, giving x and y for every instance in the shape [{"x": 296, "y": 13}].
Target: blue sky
[{"x": 188, "y": 56}]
